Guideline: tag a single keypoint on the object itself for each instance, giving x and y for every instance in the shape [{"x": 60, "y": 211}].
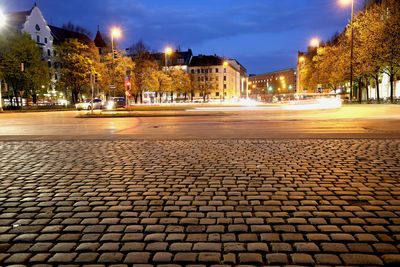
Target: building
[
  {"x": 214, "y": 78},
  {"x": 263, "y": 86},
  {"x": 178, "y": 60},
  {"x": 33, "y": 23},
  {"x": 46, "y": 37},
  {"x": 218, "y": 78}
]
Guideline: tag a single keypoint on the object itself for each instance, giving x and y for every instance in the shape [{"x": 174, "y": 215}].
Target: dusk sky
[{"x": 263, "y": 35}]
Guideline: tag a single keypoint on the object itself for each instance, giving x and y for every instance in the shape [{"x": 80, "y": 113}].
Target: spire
[
  {"x": 98, "y": 40},
  {"x": 35, "y": 3}
]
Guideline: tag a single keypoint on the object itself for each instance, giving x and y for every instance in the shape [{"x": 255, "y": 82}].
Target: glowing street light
[
  {"x": 314, "y": 42},
  {"x": 168, "y": 50},
  {"x": 301, "y": 59},
  {"x": 115, "y": 32},
  {"x": 346, "y": 2}
]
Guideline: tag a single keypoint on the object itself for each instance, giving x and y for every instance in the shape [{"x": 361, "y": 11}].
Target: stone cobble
[{"x": 200, "y": 203}]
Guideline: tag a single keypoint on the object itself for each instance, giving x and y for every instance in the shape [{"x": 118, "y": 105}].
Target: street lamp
[
  {"x": 346, "y": 2},
  {"x": 3, "y": 20},
  {"x": 314, "y": 42},
  {"x": 115, "y": 32},
  {"x": 168, "y": 51}
]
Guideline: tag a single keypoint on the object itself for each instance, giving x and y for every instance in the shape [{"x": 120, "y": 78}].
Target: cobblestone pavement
[{"x": 208, "y": 202}]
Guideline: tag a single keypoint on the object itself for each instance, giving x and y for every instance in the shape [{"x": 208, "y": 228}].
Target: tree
[
  {"x": 180, "y": 82},
  {"x": 105, "y": 71},
  {"x": 76, "y": 66},
  {"x": 22, "y": 66}
]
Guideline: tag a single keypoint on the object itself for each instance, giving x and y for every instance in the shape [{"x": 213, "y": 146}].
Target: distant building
[
  {"x": 278, "y": 82},
  {"x": 178, "y": 59},
  {"x": 33, "y": 23},
  {"x": 213, "y": 78},
  {"x": 218, "y": 81}
]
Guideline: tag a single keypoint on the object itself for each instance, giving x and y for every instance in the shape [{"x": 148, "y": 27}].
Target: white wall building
[{"x": 33, "y": 23}]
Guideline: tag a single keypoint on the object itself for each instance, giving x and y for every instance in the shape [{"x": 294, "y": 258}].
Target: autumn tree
[
  {"x": 76, "y": 67},
  {"x": 22, "y": 66}
]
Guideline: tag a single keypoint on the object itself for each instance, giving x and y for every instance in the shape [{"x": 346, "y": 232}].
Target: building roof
[
  {"x": 61, "y": 35},
  {"x": 274, "y": 72},
  {"x": 202, "y": 60},
  {"x": 173, "y": 58},
  {"x": 99, "y": 41},
  {"x": 17, "y": 19}
]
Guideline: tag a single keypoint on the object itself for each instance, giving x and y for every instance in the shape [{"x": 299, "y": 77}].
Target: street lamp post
[
  {"x": 345, "y": 2},
  {"x": 315, "y": 43},
  {"x": 2, "y": 24},
  {"x": 167, "y": 52},
  {"x": 114, "y": 33}
]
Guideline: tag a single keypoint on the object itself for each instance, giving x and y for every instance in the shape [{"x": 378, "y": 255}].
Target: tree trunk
[
  {"x": 185, "y": 97},
  {"x": 191, "y": 96},
  {"x": 172, "y": 97},
  {"x": 366, "y": 88},
  {"x": 377, "y": 88},
  {"x": 391, "y": 84},
  {"x": 359, "y": 91},
  {"x": 161, "y": 97},
  {"x": 141, "y": 97}
]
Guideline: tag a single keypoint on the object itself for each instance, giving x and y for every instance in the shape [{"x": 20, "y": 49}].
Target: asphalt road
[{"x": 358, "y": 121}]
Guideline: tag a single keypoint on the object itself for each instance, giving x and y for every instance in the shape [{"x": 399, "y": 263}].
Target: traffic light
[
  {"x": 96, "y": 77},
  {"x": 128, "y": 85},
  {"x": 115, "y": 54}
]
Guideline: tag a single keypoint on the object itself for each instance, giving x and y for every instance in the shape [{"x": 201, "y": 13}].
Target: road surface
[{"x": 359, "y": 121}]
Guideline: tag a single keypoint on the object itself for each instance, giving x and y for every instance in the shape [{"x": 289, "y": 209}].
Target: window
[
  {"x": 206, "y": 78},
  {"x": 198, "y": 71},
  {"x": 55, "y": 77},
  {"x": 202, "y": 70},
  {"x": 45, "y": 41},
  {"x": 38, "y": 38},
  {"x": 224, "y": 78},
  {"x": 49, "y": 64},
  {"x": 192, "y": 71},
  {"x": 217, "y": 94},
  {"x": 216, "y": 70},
  {"x": 180, "y": 61},
  {"x": 37, "y": 27},
  {"x": 224, "y": 86},
  {"x": 224, "y": 70},
  {"x": 48, "y": 52}
]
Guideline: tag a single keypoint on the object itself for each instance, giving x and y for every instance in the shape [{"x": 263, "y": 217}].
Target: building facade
[
  {"x": 263, "y": 86},
  {"x": 33, "y": 23}
]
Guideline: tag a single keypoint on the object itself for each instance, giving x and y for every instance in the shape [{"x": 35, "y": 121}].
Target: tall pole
[
  {"x": 92, "y": 89},
  {"x": 1, "y": 99},
  {"x": 352, "y": 50},
  {"x": 112, "y": 64}
]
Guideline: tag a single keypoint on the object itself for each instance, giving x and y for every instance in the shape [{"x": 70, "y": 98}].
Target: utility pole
[
  {"x": 1, "y": 99},
  {"x": 352, "y": 51},
  {"x": 92, "y": 87}
]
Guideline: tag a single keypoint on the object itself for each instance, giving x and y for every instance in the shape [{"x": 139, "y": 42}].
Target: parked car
[
  {"x": 116, "y": 102},
  {"x": 87, "y": 105}
]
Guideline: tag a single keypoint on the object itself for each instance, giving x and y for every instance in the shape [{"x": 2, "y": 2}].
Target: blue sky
[{"x": 263, "y": 35}]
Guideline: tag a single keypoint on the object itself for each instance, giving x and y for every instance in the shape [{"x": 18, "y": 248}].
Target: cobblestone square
[{"x": 200, "y": 202}]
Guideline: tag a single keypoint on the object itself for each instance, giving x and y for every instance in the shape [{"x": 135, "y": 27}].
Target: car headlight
[{"x": 110, "y": 105}]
